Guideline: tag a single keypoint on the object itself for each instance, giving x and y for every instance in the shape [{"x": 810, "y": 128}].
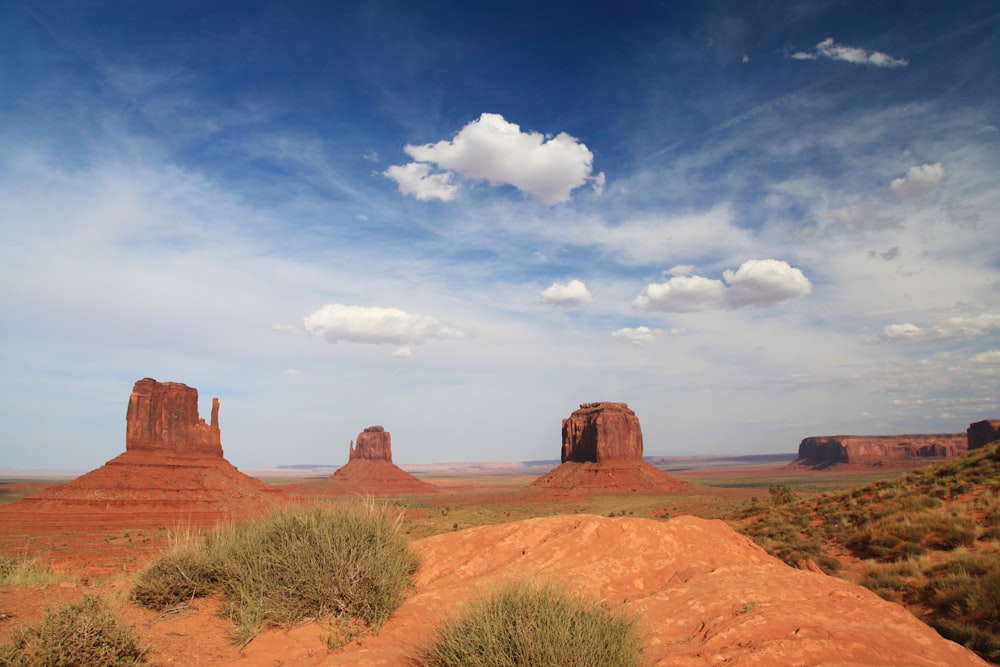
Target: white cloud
[
  {"x": 599, "y": 182},
  {"x": 682, "y": 294},
  {"x": 917, "y": 180},
  {"x": 990, "y": 357},
  {"x": 950, "y": 329},
  {"x": 851, "y": 54},
  {"x": 497, "y": 151},
  {"x": 765, "y": 282},
  {"x": 416, "y": 179},
  {"x": 375, "y": 325},
  {"x": 757, "y": 282},
  {"x": 403, "y": 352},
  {"x": 567, "y": 295},
  {"x": 636, "y": 335}
]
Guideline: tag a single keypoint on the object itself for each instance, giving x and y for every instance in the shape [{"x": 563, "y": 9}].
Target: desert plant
[
  {"x": 534, "y": 624},
  {"x": 346, "y": 560},
  {"x": 84, "y": 633},
  {"x": 24, "y": 571}
]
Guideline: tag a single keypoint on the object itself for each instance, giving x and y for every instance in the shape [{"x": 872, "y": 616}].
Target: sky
[{"x": 753, "y": 222}]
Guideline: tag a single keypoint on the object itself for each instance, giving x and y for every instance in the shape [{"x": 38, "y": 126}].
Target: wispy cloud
[{"x": 851, "y": 54}]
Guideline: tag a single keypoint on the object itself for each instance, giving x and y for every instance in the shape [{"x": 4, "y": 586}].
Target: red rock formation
[
  {"x": 602, "y": 453},
  {"x": 172, "y": 472},
  {"x": 601, "y": 432},
  {"x": 164, "y": 415},
  {"x": 983, "y": 433},
  {"x": 374, "y": 444},
  {"x": 369, "y": 471},
  {"x": 875, "y": 450}
]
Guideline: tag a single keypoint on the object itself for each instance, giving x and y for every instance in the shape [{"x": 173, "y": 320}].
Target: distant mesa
[
  {"x": 602, "y": 453},
  {"x": 878, "y": 450},
  {"x": 172, "y": 470},
  {"x": 983, "y": 433},
  {"x": 369, "y": 471}
]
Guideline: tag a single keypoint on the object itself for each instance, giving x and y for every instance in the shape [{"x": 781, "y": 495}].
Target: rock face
[
  {"x": 876, "y": 450},
  {"x": 602, "y": 453},
  {"x": 983, "y": 433},
  {"x": 374, "y": 444},
  {"x": 164, "y": 416},
  {"x": 600, "y": 432}
]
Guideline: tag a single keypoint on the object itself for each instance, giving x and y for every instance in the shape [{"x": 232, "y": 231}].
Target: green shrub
[
  {"x": 24, "y": 572},
  {"x": 538, "y": 625},
  {"x": 345, "y": 561},
  {"x": 83, "y": 634}
]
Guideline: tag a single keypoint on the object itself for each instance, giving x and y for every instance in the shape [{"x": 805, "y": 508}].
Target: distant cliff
[{"x": 874, "y": 450}]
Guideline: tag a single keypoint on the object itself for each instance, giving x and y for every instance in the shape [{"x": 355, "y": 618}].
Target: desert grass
[
  {"x": 85, "y": 633},
  {"x": 928, "y": 538},
  {"x": 523, "y": 623},
  {"x": 345, "y": 561},
  {"x": 25, "y": 571}
]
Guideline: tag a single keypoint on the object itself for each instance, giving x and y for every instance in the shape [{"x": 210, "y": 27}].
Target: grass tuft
[
  {"x": 540, "y": 625},
  {"x": 85, "y": 633},
  {"x": 348, "y": 561}
]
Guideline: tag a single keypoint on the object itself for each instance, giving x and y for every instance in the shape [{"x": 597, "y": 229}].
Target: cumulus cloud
[
  {"x": 851, "y": 54},
  {"x": 918, "y": 179},
  {"x": 682, "y": 294},
  {"x": 497, "y": 151},
  {"x": 949, "y": 329},
  {"x": 375, "y": 325},
  {"x": 567, "y": 295},
  {"x": 636, "y": 335},
  {"x": 416, "y": 179},
  {"x": 756, "y": 283},
  {"x": 765, "y": 282}
]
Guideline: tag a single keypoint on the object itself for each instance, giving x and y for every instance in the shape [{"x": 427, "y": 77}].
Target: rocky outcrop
[
  {"x": 980, "y": 434},
  {"x": 373, "y": 444},
  {"x": 172, "y": 472},
  {"x": 602, "y": 453},
  {"x": 700, "y": 594},
  {"x": 164, "y": 416},
  {"x": 876, "y": 450},
  {"x": 600, "y": 432},
  {"x": 369, "y": 471}
]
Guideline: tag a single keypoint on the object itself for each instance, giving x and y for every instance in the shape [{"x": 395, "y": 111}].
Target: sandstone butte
[
  {"x": 701, "y": 595},
  {"x": 602, "y": 453},
  {"x": 879, "y": 450},
  {"x": 172, "y": 472},
  {"x": 369, "y": 471},
  {"x": 982, "y": 433}
]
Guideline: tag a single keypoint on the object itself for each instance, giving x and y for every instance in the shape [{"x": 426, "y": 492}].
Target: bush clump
[
  {"x": 345, "y": 561},
  {"x": 85, "y": 633},
  {"x": 539, "y": 625}
]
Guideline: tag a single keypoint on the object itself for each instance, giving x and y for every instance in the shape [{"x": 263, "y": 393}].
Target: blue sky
[{"x": 752, "y": 222}]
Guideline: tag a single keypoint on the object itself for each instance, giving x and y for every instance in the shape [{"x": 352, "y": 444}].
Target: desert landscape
[{"x": 716, "y": 561}]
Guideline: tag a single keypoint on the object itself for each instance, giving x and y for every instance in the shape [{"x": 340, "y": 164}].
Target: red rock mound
[
  {"x": 369, "y": 471},
  {"x": 701, "y": 594},
  {"x": 602, "y": 453},
  {"x": 878, "y": 450},
  {"x": 172, "y": 473}
]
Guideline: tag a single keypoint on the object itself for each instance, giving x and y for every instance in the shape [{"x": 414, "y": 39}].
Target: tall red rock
[
  {"x": 601, "y": 432},
  {"x": 602, "y": 453},
  {"x": 980, "y": 434},
  {"x": 164, "y": 416},
  {"x": 877, "y": 450},
  {"x": 373, "y": 444}
]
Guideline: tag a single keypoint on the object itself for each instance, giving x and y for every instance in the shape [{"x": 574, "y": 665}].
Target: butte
[
  {"x": 172, "y": 473},
  {"x": 370, "y": 471},
  {"x": 602, "y": 453}
]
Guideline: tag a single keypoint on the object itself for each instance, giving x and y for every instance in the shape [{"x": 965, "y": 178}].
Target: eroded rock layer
[
  {"x": 872, "y": 450},
  {"x": 599, "y": 432},
  {"x": 164, "y": 415}
]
